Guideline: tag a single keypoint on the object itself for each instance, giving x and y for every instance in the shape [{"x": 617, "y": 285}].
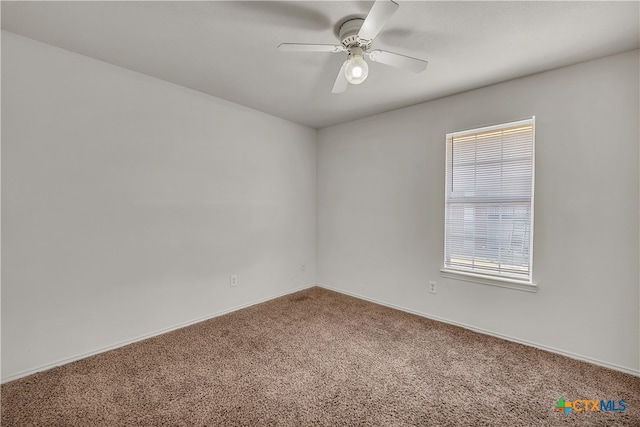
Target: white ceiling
[{"x": 228, "y": 49}]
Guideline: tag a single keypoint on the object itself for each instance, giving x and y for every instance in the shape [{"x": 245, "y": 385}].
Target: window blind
[{"x": 489, "y": 200}]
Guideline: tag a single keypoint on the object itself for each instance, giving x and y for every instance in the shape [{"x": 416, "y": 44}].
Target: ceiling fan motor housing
[{"x": 349, "y": 34}]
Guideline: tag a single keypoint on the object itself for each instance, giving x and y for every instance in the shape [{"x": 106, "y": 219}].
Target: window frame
[{"x": 525, "y": 284}]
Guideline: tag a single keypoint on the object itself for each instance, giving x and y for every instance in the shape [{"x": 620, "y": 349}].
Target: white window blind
[{"x": 489, "y": 201}]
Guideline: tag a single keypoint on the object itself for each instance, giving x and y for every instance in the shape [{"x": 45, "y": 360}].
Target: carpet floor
[{"x": 320, "y": 358}]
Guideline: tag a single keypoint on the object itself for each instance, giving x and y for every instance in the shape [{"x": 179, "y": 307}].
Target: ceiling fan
[{"x": 356, "y": 37}]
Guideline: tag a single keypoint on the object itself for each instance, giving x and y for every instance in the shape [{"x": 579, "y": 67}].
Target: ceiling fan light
[{"x": 356, "y": 70}]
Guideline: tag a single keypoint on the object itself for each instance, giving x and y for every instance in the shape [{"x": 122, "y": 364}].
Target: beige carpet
[{"x": 317, "y": 357}]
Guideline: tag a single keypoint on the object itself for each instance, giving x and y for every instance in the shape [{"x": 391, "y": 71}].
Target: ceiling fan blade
[
  {"x": 302, "y": 47},
  {"x": 399, "y": 61},
  {"x": 341, "y": 82},
  {"x": 380, "y": 13}
]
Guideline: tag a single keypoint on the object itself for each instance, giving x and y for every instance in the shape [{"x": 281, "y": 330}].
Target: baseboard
[
  {"x": 587, "y": 359},
  {"x": 146, "y": 336},
  {"x": 259, "y": 301}
]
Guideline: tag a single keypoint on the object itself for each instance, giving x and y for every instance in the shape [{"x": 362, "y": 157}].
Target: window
[{"x": 489, "y": 202}]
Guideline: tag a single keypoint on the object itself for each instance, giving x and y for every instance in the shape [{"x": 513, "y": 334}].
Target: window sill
[{"x": 487, "y": 280}]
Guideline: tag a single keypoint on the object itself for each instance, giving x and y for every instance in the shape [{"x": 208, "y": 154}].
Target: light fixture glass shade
[{"x": 356, "y": 70}]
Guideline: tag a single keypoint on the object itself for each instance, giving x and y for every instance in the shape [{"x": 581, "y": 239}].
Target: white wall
[
  {"x": 128, "y": 201},
  {"x": 381, "y": 210}
]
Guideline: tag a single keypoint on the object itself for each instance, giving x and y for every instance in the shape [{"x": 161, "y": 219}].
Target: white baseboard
[
  {"x": 634, "y": 372},
  {"x": 64, "y": 361},
  {"x": 145, "y": 336}
]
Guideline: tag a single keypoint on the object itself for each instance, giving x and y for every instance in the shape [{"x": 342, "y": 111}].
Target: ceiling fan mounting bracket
[{"x": 349, "y": 34}]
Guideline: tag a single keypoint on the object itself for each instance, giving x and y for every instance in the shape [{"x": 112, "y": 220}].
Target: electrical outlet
[
  {"x": 303, "y": 267},
  {"x": 433, "y": 287},
  {"x": 233, "y": 280}
]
